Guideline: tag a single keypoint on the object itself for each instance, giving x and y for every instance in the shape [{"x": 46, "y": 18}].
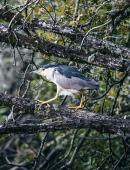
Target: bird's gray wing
[
  {"x": 70, "y": 72},
  {"x": 69, "y": 83},
  {"x": 71, "y": 78}
]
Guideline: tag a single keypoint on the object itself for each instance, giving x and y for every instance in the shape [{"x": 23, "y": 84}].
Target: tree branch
[
  {"x": 103, "y": 47},
  {"x": 70, "y": 119},
  {"x": 90, "y": 41},
  {"x": 46, "y": 47}
]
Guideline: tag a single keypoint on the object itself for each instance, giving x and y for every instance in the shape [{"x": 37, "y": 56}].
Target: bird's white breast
[{"x": 49, "y": 74}]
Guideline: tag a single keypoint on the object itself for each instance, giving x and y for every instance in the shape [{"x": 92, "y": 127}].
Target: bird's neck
[{"x": 49, "y": 74}]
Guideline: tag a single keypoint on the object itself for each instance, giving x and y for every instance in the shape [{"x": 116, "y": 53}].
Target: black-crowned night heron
[{"x": 68, "y": 80}]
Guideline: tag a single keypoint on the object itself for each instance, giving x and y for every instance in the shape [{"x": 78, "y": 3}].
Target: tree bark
[
  {"x": 63, "y": 118},
  {"x": 49, "y": 48},
  {"x": 90, "y": 42}
]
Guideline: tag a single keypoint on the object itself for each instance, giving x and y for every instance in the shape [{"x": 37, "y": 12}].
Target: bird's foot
[
  {"x": 40, "y": 104},
  {"x": 76, "y": 107},
  {"x": 43, "y": 102}
]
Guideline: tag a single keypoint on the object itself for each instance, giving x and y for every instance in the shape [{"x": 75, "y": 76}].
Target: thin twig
[{"x": 37, "y": 161}]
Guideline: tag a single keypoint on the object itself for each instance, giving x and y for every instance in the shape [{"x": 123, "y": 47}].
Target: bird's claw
[{"x": 40, "y": 104}]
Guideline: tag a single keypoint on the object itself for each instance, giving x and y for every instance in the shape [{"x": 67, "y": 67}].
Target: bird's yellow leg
[
  {"x": 80, "y": 106},
  {"x": 50, "y": 100}
]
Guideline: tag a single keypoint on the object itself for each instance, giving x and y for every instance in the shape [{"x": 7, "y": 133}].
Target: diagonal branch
[
  {"x": 90, "y": 41},
  {"x": 49, "y": 48}
]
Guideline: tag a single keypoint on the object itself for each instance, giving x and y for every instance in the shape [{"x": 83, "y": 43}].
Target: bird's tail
[{"x": 92, "y": 84}]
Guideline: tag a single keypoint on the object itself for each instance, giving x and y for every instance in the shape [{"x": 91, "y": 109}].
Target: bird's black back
[
  {"x": 66, "y": 70},
  {"x": 70, "y": 72}
]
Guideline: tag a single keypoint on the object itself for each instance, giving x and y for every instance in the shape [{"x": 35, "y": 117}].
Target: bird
[{"x": 69, "y": 81}]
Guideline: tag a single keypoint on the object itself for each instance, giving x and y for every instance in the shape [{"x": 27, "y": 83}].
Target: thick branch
[
  {"x": 46, "y": 47},
  {"x": 99, "y": 123},
  {"x": 70, "y": 119},
  {"x": 90, "y": 41},
  {"x": 20, "y": 103}
]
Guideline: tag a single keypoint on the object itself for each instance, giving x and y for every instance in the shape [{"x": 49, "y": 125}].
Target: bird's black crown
[{"x": 45, "y": 66}]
